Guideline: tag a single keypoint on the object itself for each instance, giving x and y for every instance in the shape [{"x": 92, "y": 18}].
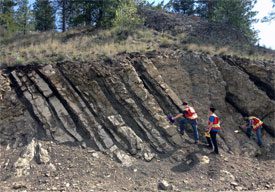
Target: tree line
[{"x": 18, "y": 16}]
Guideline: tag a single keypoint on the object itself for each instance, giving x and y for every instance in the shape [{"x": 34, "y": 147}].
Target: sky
[{"x": 266, "y": 30}]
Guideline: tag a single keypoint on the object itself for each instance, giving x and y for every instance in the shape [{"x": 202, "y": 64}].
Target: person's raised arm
[{"x": 178, "y": 116}]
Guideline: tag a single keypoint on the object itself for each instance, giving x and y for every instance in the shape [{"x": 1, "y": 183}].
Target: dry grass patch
[
  {"x": 49, "y": 48},
  {"x": 86, "y": 44},
  {"x": 212, "y": 50}
]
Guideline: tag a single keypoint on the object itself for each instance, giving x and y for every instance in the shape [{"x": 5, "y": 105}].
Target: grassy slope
[{"x": 85, "y": 44}]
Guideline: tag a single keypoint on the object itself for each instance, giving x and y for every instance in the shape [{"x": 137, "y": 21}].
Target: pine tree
[
  {"x": 62, "y": 8},
  {"x": 183, "y": 6},
  {"x": 92, "y": 13},
  {"x": 82, "y": 12},
  {"x": 205, "y": 8},
  {"x": 107, "y": 12},
  {"x": 126, "y": 15},
  {"x": 7, "y": 22},
  {"x": 23, "y": 16},
  {"x": 236, "y": 13},
  {"x": 44, "y": 15}
]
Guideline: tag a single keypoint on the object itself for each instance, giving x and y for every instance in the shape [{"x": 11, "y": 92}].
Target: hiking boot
[
  {"x": 197, "y": 142},
  {"x": 214, "y": 153}
]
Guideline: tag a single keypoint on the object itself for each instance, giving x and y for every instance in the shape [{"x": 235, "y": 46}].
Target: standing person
[
  {"x": 214, "y": 128},
  {"x": 190, "y": 117},
  {"x": 256, "y": 125}
]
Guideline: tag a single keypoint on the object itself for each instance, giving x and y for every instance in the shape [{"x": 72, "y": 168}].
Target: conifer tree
[
  {"x": 7, "y": 21},
  {"x": 185, "y": 7},
  {"x": 236, "y": 13},
  {"x": 62, "y": 9},
  {"x": 23, "y": 16},
  {"x": 44, "y": 15}
]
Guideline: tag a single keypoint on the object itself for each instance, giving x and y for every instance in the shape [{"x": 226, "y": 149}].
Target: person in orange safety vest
[
  {"x": 256, "y": 125},
  {"x": 213, "y": 129},
  {"x": 190, "y": 117}
]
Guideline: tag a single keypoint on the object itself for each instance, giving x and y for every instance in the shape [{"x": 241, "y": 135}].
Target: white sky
[{"x": 266, "y": 30}]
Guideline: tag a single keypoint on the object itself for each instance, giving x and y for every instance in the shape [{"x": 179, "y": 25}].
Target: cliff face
[
  {"x": 115, "y": 109},
  {"x": 120, "y": 105}
]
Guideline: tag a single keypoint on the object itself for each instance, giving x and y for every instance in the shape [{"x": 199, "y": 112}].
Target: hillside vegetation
[
  {"x": 162, "y": 31},
  {"x": 86, "y": 110}
]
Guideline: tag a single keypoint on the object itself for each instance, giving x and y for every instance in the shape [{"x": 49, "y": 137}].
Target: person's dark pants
[
  {"x": 193, "y": 123},
  {"x": 209, "y": 142},
  {"x": 249, "y": 131},
  {"x": 213, "y": 135},
  {"x": 258, "y": 134}
]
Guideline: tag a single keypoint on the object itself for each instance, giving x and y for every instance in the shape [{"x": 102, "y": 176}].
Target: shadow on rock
[
  {"x": 188, "y": 164},
  {"x": 267, "y": 153}
]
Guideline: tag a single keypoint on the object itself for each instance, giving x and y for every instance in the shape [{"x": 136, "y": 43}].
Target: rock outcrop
[{"x": 119, "y": 105}]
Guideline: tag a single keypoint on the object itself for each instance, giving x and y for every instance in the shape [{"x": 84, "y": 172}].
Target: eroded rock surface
[
  {"x": 123, "y": 102},
  {"x": 118, "y": 106}
]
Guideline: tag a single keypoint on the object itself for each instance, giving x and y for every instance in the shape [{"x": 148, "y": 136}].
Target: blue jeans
[
  {"x": 258, "y": 134},
  {"x": 213, "y": 135},
  {"x": 193, "y": 123}
]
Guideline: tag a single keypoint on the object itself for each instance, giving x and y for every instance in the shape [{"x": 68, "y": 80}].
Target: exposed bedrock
[{"x": 120, "y": 105}]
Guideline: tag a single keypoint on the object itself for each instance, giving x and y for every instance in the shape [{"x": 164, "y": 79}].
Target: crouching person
[
  {"x": 256, "y": 125},
  {"x": 188, "y": 116}
]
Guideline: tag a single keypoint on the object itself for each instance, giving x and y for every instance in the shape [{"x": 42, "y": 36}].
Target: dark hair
[
  {"x": 212, "y": 109},
  {"x": 184, "y": 103}
]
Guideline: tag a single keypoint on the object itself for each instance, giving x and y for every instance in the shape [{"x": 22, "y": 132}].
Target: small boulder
[
  {"x": 204, "y": 160},
  {"x": 164, "y": 185},
  {"x": 19, "y": 185},
  {"x": 51, "y": 167},
  {"x": 123, "y": 158},
  {"x": 148, "y": 156},
  {"x": 234, "y": 183},
  {"x": 95, "y": 155}
]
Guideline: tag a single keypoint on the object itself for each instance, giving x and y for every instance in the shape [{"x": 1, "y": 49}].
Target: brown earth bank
[{"x": 101, "y": 126}]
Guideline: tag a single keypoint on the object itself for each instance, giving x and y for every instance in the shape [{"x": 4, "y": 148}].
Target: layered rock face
[{"x": 119, "y": 105}]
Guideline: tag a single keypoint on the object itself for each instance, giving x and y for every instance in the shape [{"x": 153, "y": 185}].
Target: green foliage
[
  {"x": 107, "y": 13},
  {"x": 103, "y": 14},
  {"x": 24, "y": 16},
  {"x": 184, "y": 7},
  {"x": 236, "y": 13},
  {"x": 126, "y": 15},
  {"x": 81, "y": 13},
  {"x": 7, "y": 23},
  {"x": 202, "y": 8},
  {"x": 91, "y": 13},
  {"x": 44, "y": 15}
]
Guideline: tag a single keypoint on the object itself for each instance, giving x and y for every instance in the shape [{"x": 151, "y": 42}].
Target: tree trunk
[{"x": 64, "y": 3}]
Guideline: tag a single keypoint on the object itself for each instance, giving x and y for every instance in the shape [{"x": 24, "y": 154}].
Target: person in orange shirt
[{"x": 190, "y": 117}]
